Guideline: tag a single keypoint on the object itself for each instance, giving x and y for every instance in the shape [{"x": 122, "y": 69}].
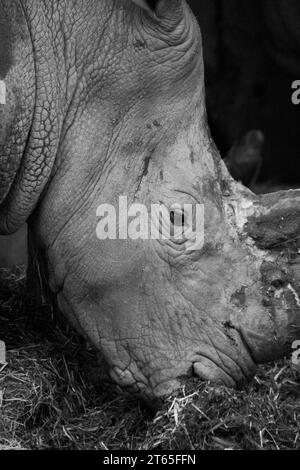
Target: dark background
[{"x": 252, "y": 56}]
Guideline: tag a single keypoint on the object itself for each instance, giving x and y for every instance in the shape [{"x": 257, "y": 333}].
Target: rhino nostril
[
  {"x": 274, "y": 277},
  {"x": 278, "y": 283}
]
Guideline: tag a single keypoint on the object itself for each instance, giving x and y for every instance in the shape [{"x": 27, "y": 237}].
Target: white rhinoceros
[{"x": 105, "y": 100}]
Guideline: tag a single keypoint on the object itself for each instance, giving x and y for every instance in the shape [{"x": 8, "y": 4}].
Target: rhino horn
[{"x": 270, "y": 225}]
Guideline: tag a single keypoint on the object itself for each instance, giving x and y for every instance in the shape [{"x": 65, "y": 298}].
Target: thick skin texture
[{"x": 120, "y": 110}]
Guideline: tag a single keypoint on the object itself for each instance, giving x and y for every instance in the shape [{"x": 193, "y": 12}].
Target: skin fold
[{"x": 119, "y": 109}]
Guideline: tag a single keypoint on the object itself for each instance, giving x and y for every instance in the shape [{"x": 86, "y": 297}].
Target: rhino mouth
[
  {"x": 233, "y": 367},
  {"x": 209, "y": 370}
]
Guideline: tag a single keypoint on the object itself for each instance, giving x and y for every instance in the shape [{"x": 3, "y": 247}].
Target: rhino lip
[
  {"x": 246, "y": 345},
  {"x": 207, "y": 367}
]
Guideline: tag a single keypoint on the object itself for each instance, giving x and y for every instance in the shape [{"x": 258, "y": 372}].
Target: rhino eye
[{"x": 177, "y": 218}]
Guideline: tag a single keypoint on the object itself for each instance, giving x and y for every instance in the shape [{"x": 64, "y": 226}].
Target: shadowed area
[
  {"x": 5, "y": 47},
  {"x": 251, "y": 55},
  {"x": 13, "y": 249}
]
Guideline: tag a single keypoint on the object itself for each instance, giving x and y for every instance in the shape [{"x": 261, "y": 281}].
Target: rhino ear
[{"x": 149, "y": 5}]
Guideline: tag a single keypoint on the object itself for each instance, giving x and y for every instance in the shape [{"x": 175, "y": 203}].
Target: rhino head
[{"x": 108, "y": 102}]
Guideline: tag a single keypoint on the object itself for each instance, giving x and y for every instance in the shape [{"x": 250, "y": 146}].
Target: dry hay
[{"x": 53, "y": 394}]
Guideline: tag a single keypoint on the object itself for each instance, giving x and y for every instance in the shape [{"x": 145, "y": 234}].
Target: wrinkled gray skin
[{"x": 106, "y": 99}]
